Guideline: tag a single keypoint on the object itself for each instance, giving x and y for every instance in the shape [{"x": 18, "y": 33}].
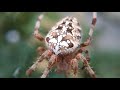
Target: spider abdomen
[{"x": 65, "y": 36}]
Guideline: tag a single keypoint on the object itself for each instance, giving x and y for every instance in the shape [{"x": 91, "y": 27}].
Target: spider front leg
[
  {"x": 53, "y": 60},
  {"x": 36, "y": 30},
  {"x": 88, "y": 41},
  {"x": 87, "y": 67},
  {"x": 47, "y": 54},
  {"x": 87, "y": 57},
  {"x": 84, "y": 45}
]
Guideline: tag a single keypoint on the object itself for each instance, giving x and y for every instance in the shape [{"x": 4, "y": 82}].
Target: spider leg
[
  {"x": 40, "y": 50},
  {"x": 47, "y": 54},
  {"x": 94, "y": 20},
  {"x": 74, "y": 65},
  {"x": 86, "y": 65},
  {"x": 87, "y": 57},
  {"x": 51, "y": 63},
  {"x": 84, "y": 45},
  {"x": 36, "y": 30},
  {"x": 88, "y": 41}
]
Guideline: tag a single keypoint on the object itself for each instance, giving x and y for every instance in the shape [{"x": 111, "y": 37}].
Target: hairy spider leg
[
  {"x": 87, "y": 67},
  {"x": 88, "y": 41},
  {"x": 47, "y": 54},
  {"x": 51, "y": 63},
  {"x": 74, "y": 66},
  {"x": 87, "y": 57},
  {"x": 36, "y": 29}
]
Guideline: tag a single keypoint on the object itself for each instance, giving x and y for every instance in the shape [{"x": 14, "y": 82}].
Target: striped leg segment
[
  {"x": 47, "y": 54},
  {"x": 36, "y": 30}
]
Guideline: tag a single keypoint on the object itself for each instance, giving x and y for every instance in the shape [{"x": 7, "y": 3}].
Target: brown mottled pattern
[{"x": 65, "y": 36}]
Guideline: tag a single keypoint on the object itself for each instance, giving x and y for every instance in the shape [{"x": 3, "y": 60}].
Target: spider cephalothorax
[{"x": 64, "y": 47}]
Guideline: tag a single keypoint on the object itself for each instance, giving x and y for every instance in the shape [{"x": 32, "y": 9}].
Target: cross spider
[{"x": 64, "y": 47}]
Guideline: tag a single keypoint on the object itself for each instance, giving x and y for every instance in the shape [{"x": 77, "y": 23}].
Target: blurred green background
[{"x": 18, "y": 46}]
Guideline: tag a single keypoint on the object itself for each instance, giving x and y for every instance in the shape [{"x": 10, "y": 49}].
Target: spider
[{"x": 64, "y": 47}]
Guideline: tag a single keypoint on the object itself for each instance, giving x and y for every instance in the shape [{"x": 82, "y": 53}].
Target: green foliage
[{"x": 15, "y": 58}]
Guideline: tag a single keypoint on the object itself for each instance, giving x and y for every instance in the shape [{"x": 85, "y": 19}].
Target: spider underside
[{"x": 64, "y": 47}]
